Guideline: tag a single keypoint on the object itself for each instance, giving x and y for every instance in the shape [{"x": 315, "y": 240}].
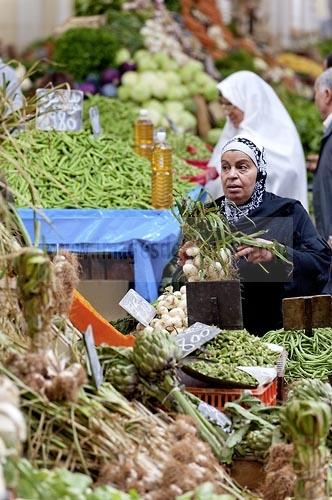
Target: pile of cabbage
[{"x": 166, "y": 89}]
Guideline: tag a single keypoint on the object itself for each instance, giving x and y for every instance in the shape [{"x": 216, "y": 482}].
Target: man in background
[{"x": 322, "y": 187}]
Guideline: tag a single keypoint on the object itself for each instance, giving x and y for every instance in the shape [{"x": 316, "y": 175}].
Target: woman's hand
[{"x": 255, "y": 255}]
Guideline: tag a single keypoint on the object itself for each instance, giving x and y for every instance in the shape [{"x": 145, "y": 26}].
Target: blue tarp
[{"x": 149, "y": 235}]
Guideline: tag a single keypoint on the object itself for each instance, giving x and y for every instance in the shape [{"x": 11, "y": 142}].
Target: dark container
[{"x": 215, "y": 303}]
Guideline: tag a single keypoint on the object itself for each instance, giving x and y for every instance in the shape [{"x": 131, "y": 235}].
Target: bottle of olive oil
[
  {"x": 143, "y": 135},
  {"x": 162, "y": 178}
]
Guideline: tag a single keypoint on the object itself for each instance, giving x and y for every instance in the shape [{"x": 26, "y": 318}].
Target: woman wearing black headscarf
[{"x": 249, "y": 207}]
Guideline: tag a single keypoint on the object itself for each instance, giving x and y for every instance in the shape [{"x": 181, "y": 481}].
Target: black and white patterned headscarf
[{"x": 235, "y": 212}]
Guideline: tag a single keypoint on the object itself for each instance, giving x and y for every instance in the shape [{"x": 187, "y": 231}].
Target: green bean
[
  {"x": 76, "y": 170},
  {"x": 309, "y": 356}
]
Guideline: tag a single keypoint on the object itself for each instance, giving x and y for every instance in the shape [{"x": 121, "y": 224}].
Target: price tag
[
  {"x": 194, "y": 337},
  {"x": 95, "y": 121},
  {"x": 262, "y": 374},
  {"x": 96, "y": 370},
  {"x": 59, "y": 110},
  {"x": 138, "y": 307},
  {"x": 215, "y": 416}
]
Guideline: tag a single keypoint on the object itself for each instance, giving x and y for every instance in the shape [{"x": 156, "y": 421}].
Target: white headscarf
[{"x": 266, "y": 118}]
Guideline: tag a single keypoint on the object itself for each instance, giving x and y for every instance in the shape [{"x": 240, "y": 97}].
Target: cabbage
[
  {"x": 159, "y": 89},
  {"x": 140, "y": 92},
  {"x": 130, "y": 78},
  {"x": 204, "y": 79},
  {"x": 156, "y": 116},
  {"x": 162, "y": 60},
  {"x": 146, "y": 63},
  {"x": 174, "y": 106},
  {"x": 176, "y": 93},
  {"x": 171, "y": 65},
  {"x": 124, "y": 93},
  {"x": 210, "y": 92},
  {"x": 189, "y": 70},
  {"x": 123, "y": 55},
  {"x": 187, "y": 121},
  {"x": 213, "y": 136},
  {"x": 141, "y": 54},
  {"x": 155, "y": 105},
  {"x": 193, "y": 88},
  {"x": 189, "y": 105},
  {"x": 172, "y": 78}
]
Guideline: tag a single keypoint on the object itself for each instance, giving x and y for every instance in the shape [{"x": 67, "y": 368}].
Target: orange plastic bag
[{"x": 82, "y": 314}]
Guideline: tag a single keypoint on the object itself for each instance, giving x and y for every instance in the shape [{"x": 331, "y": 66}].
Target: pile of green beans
[
  {"x": 117, "y": 120},
  {"x": 71, "y": 170},
  {"x": 309, "y": 356},
  {"x": 230, "y": 349}
]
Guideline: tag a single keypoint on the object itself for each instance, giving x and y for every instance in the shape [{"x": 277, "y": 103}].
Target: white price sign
[
  {"x": 59, "y": 110},
  {"x": 215, "y": 416},
  {"x": 138, "y": 307},
  {"x": 194, "y": 337}
]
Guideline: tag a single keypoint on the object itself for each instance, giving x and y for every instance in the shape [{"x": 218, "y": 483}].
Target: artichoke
[
  {"x": 154, "y": 353},
  {"x": 119, "y": 370},
  {"x": 259, "y": 441}
]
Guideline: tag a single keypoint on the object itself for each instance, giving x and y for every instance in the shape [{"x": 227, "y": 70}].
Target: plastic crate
[{"x": 219, "y": 397}]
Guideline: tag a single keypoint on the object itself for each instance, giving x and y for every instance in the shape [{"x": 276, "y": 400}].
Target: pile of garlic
[
  {"x": 171, "y": 314},
  {"x": 163, "y": 34},
  {"x": 196, "y": 268}
]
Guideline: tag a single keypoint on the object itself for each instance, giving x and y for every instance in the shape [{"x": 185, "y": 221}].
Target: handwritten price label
[
  {"x": 59, "y": 110},
  {"x": 194, "y": 337},
  {"x": 215, "y": 416},
  {"x": 138, "y": 307}
]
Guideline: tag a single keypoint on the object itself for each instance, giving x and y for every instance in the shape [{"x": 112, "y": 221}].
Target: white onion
[{"x": 192, "y": 251}]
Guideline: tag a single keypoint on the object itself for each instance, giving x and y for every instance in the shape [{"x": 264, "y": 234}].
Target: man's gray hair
[{"x": 324, "y": 81}]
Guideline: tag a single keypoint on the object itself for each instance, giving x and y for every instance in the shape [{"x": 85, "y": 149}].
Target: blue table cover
[{"x": 150, "y": 236}]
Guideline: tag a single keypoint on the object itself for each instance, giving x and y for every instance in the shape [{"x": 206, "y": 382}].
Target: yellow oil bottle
[
  {"x": 143, "y": 135},
  {"x": 162, "y": 178}
]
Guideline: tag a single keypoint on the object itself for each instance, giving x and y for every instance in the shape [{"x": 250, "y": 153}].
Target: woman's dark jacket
[{"x": 286, "y": 221}]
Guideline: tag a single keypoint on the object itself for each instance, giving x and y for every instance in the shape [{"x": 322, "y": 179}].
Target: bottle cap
[
  {"x": 161, "y": 136},
  {"x": 143, "y": 113}
]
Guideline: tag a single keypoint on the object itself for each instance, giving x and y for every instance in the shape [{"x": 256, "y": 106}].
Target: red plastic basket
[{"x": 219, "y": 397}]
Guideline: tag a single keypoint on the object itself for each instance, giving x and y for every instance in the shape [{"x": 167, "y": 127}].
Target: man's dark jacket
[{"x": 322, "y": 188}]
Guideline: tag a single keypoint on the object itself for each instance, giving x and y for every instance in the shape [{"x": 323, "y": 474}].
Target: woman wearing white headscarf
[{"x": 253, "y": 107}]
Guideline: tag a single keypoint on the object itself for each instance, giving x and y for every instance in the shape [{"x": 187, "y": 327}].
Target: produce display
[
  {"x": 300, "y": 64},
  {"x": 126, "y": 413},
  {"x": 309, "y": 356},
  {"x": 70, "y": 170},
  {"x": 166, "y": 89},
  {"x": 220, "y": 358}
]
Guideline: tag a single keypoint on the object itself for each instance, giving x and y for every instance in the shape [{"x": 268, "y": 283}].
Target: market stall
[
  {"x": 148, "y": 237},
  {"x": 216, "y": 385}
]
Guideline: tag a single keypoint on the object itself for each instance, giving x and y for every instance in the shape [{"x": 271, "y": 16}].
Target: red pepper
[
  {"x": 209, "y": 175},
  {"x": 203, "y": 164},
  {"x": 191, "y": 149}
]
